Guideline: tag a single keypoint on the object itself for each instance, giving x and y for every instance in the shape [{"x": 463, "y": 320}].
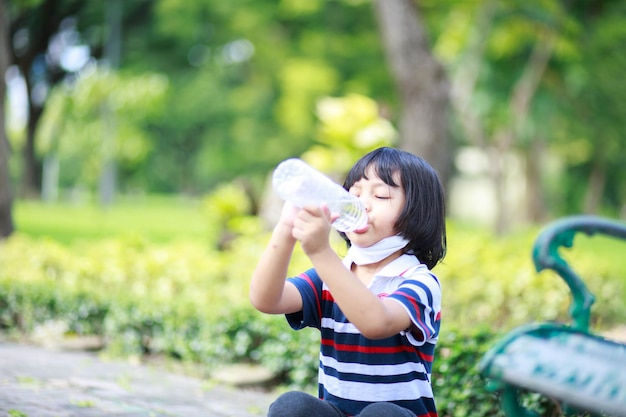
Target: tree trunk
[
  {"x": 595, "y": 187},
  {"x": 47, "y": 15},
  {"x": 535, "y": 193},
  {"x": 421, "y": 82},
  {"x": 518, "y": 107},
  {"x": 31, "y": 180},
  {"x": 499, "y": 145},
  {"x": 6, "y": 218},
  {"x": 465, "y": 79},
  {"x": 113, "y": 52}
]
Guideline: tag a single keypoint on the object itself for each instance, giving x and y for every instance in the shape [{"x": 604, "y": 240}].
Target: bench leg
[{"x": 509, "y": 398}]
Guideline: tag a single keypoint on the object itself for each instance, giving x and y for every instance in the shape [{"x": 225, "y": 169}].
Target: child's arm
[
  {"x": 374, "y": 317},
  {"x": 269, "y": 292}
]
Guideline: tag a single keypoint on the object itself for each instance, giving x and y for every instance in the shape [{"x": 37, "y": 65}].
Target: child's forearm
[{"x": 268, "y": 280}]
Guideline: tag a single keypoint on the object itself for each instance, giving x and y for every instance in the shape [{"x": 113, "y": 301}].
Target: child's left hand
[{"x": 312, "y": 228}]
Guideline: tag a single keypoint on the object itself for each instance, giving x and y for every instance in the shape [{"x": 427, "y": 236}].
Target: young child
[{"x": 378, "y": 309}]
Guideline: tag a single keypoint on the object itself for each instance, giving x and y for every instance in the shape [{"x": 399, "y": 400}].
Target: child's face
[{"x": 383, "y": 204}]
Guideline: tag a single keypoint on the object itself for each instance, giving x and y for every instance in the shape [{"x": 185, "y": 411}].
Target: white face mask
[{"x": 378, "y": 251}]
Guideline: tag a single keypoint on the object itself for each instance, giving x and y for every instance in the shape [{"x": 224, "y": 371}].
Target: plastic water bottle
[{"x": 302, "y": 185}]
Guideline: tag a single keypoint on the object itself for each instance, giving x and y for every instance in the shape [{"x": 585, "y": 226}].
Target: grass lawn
[{"x": 158, "y": 219}]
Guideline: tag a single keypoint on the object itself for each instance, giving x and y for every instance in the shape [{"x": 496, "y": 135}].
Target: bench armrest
[{"x": 546, "y": 255}]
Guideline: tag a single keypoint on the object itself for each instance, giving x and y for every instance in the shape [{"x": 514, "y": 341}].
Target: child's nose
[{"x": 366, "y": 203}]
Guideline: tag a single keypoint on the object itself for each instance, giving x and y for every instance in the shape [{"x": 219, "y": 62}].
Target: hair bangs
[{"x": 382, "y": 164}]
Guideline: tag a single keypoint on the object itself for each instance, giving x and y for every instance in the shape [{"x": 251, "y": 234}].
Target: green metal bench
[{"x": 582, "y": 371}]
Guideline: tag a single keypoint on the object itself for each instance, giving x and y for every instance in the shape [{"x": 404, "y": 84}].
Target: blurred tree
[
  {"x": 6, "y": 217},
  {"x": 33, "y": 24},
  {"x": 112, "y": 54},
  {"x": 496, "y": 78},
  {"x": 515, "y": 71},
  {"x": 247, "y": 77},
  {"x": 51, "y": 41},
  {"x": 72, "y": 129},
  {"x": 244, "y": 77},
  {"x": 593, "y": 107},
  {"x": 421, "y": 81}
]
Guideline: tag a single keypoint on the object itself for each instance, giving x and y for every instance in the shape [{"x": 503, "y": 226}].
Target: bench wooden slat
[{"x": 583, "y": 371}]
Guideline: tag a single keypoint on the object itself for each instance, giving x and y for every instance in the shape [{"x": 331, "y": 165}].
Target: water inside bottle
[{"x": 352, "y": 216}]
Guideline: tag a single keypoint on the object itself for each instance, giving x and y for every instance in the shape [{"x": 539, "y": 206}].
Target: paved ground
[{"x": 39, "y": 382}]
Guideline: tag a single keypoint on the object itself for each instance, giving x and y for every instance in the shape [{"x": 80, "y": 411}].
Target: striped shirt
[{"x": 356, "y": 371}]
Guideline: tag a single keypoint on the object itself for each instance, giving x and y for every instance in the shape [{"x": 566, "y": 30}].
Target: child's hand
[
  {"x": 288, "y": 214},
  {"x": 312, "y": 228},
  {"x": 284, "y": 226}
]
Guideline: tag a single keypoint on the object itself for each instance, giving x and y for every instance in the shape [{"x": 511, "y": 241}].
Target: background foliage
[
  {"x": 193, "y": 103},
  {"x": 198, "y": 94}
]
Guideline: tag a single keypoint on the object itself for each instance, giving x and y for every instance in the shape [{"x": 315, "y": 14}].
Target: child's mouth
[{"x": 362, "y": 229}]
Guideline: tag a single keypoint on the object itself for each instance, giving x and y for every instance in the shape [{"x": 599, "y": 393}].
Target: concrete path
[{"x": 39, "y": 382}]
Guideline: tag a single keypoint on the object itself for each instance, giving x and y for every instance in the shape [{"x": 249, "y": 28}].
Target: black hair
[{"x": 422, "y": 221}]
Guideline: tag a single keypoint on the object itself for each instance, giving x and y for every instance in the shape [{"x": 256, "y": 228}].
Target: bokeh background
[{"x": 137, "y": 138}]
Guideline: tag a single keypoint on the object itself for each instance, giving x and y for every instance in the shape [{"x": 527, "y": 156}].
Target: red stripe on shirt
[
  {"x": 418, "y": 316},
  {"x": 367, "y": 349},
  {"x": 317, "y": 296}
]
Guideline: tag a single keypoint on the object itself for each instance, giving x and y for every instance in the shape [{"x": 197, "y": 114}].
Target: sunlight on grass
[{"x": 158, "y": 219}]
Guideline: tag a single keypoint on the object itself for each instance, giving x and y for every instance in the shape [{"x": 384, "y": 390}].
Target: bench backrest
[{"x": 546, "y": 255}]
